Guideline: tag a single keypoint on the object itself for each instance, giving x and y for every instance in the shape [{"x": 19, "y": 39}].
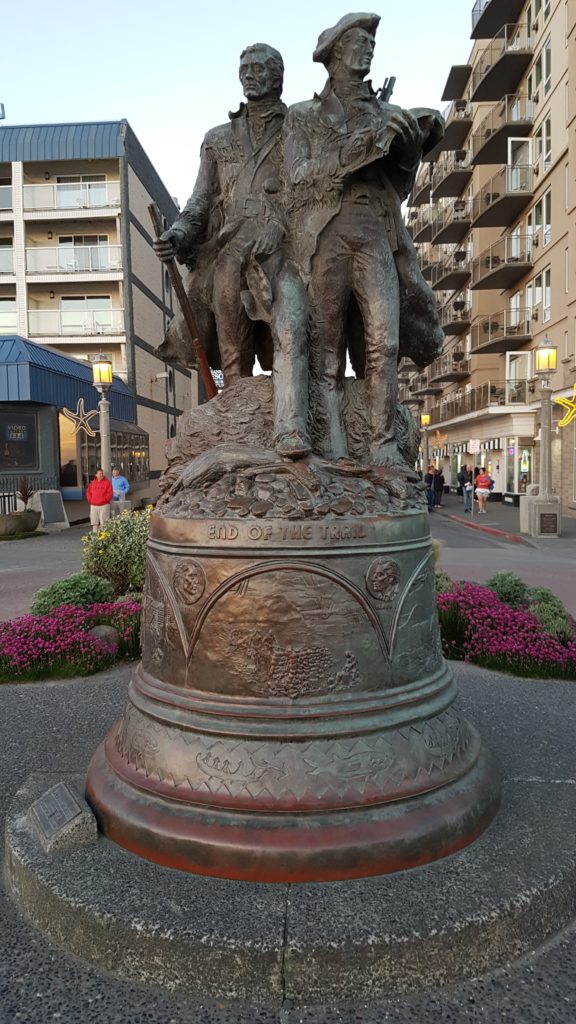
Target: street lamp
[
  {"x": 102, "y": 380},
  {"x": 425, "y": 423},
  {"x": 545, "y": 359},
  {"x": 540, "y": 513}
]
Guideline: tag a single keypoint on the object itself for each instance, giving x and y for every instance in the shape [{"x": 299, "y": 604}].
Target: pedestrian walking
[
  {"x": 465, "y": 481},
  {"x": 120, "y": 485},
  {"x": 99, "y": 494},
  {"x": 438, "y": 487},
  {"x": 429, "y": 485},
  {"x": 484, "y": 484}
]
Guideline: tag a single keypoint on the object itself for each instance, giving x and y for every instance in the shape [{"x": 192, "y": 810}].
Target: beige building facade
[
  {"x": 493, "y": 213},
  {"x": 77, "y": 268}
]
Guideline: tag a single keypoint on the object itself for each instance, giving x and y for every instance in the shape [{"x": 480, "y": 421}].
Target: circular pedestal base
[
  {"x": 350, "y": 843},
  {"x": 292, "y": 718}
]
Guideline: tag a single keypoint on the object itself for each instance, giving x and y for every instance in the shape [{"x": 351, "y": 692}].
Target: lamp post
[
  {"x": 545, "y": 356},
  {"x": 425, "y": 423},
  {"x": 543, "y": 509},
  {"x": 102, "y": 380}
]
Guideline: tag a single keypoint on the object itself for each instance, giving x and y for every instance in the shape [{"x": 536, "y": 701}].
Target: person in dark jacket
[
  {"x": 429, "y": 485},
  {"x": 99, "y": 495},
  {"x": 438, "y": 487},
  {"x": 465, "y": 481}
]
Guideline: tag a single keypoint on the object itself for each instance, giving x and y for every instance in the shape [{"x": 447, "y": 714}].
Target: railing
[
  {"x": 72, "y": 195},
  {"x": 507, "y": 250},
  {"x": 457, "y": 261},
  {"x": 478, "y": 10},
  {"x": 516, "y": 180},
  {"x": 508, "y": 323},
  {"x": 8, "y": 323},
  {"x": 59, "y": 323},
  {"x": 457, "y": 310},
  {"x": 5, "y": 197},
  {"x": 422, "y": 179},
  {"x": 73, "y": 259},
  {"x": 457, "y": 110},
  {"x": 449, "y": 364},
  {"x": 452, "y": 210},
  {"x": 6, "y": 259},
  {"x": 421, "y": 220},
  {"x": 9, "y": 488},
  {"x": 512, "y": 110},
  {"x": 455, "y": 160},
  {"x": 492, "y": 393},
  {"x": 509, "y": 39}
]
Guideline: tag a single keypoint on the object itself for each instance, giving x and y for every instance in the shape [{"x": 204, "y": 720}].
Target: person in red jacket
[
  {"x": 483, "y": 482},
  {"x": 99, "y": 495}
]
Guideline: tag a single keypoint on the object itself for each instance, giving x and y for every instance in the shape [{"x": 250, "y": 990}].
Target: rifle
[
  {"x": 387, "y": 89},
  {"x": 197, "y": 347}
]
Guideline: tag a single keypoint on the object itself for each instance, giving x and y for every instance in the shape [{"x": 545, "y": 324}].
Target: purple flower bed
[
  {"x": 478, "y": 627},
  {"x": 59, "y": 644}
]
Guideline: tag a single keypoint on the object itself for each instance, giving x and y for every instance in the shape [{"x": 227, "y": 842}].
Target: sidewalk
[{"x": 502, "y": 521}]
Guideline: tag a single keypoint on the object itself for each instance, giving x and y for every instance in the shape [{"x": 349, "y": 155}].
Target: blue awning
[{"x": 37, "y": 373}]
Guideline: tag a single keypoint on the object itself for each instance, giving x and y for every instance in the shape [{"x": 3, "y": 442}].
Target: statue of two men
[{"x": 297, "y": 247}]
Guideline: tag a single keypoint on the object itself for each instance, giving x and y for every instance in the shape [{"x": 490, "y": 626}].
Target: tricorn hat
[{"x": 330, "y": 36}]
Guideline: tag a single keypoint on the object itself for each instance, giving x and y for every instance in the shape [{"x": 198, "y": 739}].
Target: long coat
[
  {"x": 314, "y": 134},
  {"x": 237, "y": 177}
]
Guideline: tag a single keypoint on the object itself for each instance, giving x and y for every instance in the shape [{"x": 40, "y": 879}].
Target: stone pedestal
[{"x": 292, "y": 718}]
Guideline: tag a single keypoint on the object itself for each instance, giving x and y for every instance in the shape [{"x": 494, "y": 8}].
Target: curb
[{"x": 514, "y": 537}]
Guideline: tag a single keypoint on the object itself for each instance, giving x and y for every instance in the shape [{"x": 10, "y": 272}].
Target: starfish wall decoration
[
  {"x": 440, "y": 439},
  {"x": 570, "y": 405},
  {"x": 81, "y": 418}
]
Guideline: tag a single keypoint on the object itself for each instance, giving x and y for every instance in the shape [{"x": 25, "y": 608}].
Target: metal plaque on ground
[{"x": 53, "y": 512}]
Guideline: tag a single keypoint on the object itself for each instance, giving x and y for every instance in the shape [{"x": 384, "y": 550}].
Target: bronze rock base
[{"x": 292, "y": 718}]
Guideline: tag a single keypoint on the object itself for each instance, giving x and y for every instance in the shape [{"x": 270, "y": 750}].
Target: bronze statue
[
  {"x": 293, "y": 717},
  {"x": 351, "y": 160},
  {"x": 230, "y": 232}
]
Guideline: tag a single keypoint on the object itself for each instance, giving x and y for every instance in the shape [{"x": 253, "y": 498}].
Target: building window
[
  {"x": 83, "y": 252},
  {"x": 543, "y": 144},
  {"x": 18, "y": 441},
  {"x": 574, "y": 467},
  {"x": 8, "y": 316},
  {"x": 547, "y": 297},
  {"x": 547, "y": 65},
  {"x": 81, "y": 190},
  {"x": 86, "y": 314}
]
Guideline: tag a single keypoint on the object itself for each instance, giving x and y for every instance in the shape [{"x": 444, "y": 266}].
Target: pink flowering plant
[
  {"x": 478, "y": 627},
  {"x": 59, "y": 645}
]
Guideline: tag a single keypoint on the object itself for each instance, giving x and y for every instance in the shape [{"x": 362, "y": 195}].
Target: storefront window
[
  {"x": 510, "y": 465},
  {"x": 68, "y": 452},
  {"x": 18, "y": 441}
]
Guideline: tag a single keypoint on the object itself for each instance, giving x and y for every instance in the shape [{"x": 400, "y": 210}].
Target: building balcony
[
  {"x": 421, "y": 191},
  {"x": 66, "y": 323},
  {"x": 458, "y": 122},
  {"x": 420, "y": 224},
  {"x": 489, "y": 16},
  {"x": 501, "y": 332},
  {"x": 451, "y": 222},
  {"x": 5, "y": 197},
  {"x": 74, "y": 259},
  {"x": 491, "y": 398},
  {"x": 501, "y": 66},
  {"x": 428, "y": 260},
  {"x": 6, "y": 259},
  {"x": 455, "y": 317},
  {"x": 503, "y": 198},
  {"x": 423, "y": 385},
  {"x": 82, "y": 195},
  {"x": 453, "y": 366},
  {"x": 458, "y": 78},
  {"x": 513, "y": 117},
  {"x": 451, "y": 273},
  {"x": 451, "y": 175},
  {"x": 503, "y": 264}
]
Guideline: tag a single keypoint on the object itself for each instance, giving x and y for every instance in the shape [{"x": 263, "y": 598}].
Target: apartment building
[
  {"x": 493, "y": 213},
  {"x": 77, "y": 270}
]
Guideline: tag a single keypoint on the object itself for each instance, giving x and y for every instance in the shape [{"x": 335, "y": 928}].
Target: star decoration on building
[
  {"x": 570, "y": 405},
  {"x": 440, "y": 439},
  {"x": 81, "y": 418}
]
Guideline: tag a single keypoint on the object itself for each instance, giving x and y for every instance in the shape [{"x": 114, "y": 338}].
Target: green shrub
[
  {"x": 444, "y": 582},
  {"x": 79, "y": 590},
  {"x": 550, "y": 612},
  {"x": 453, "y": 629},
  {"x": 118, "y": 551},
  {"x": 509, "y": 588}
]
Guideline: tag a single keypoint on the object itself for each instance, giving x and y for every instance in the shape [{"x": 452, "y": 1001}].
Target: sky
[{"x": 171, "y": 69}]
